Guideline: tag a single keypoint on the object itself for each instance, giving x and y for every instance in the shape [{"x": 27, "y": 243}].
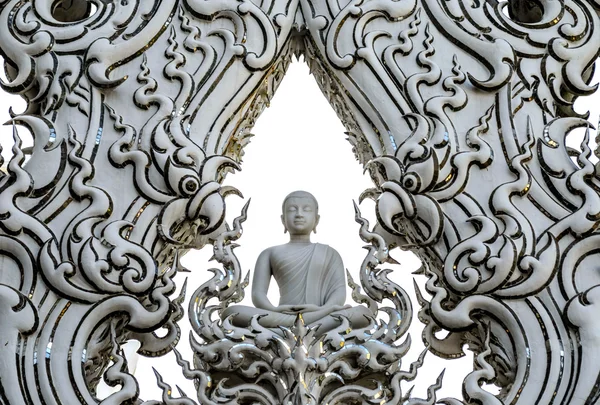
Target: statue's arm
[
  {"x": 261, "y": 281},
  {"x": 337, "y": 295},
  {"x": 338, "y": 298}
]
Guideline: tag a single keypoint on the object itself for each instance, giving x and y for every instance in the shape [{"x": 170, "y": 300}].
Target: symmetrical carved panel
[{"x": 459, "y": 110}]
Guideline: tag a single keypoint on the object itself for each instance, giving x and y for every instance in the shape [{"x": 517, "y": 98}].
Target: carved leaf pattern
[{"x": 459, "y": 110}]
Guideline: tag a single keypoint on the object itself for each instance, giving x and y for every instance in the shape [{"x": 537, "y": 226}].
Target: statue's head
[{"x": 300, "y": 213}]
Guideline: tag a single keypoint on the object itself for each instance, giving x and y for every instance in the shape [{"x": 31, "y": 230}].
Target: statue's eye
[{"x": 307, "y": 209}]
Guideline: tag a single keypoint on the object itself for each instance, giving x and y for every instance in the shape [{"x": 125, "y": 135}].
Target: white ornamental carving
[{"x": 459, "y": 110}]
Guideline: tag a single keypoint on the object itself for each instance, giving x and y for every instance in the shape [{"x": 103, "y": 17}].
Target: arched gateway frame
[{"x": 459, "y": 110}]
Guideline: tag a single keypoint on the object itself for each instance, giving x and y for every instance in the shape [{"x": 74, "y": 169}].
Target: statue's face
[{"x": 300, "y": 215}]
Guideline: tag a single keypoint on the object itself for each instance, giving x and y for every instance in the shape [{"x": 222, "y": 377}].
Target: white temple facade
[{"x": 458, "y": 110}]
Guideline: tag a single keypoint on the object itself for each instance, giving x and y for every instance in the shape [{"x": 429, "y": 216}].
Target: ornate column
[{"x": 459, "y": 110}]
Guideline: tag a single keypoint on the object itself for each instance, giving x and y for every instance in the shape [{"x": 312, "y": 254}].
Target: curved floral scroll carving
[
  {"x": 480, "y": 200},
  {"x": 94, "y": 245},
  {"x": 460, "y": 112},
  {"x": 294, "y": 364}
]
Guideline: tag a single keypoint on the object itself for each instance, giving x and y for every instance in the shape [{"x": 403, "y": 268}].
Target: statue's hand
[
  {"x": 308, "y": 308},
  {"x": 296, "y": 309},
  {"x": 316, "y": 309},
  {"x": 340, "y": 307}
]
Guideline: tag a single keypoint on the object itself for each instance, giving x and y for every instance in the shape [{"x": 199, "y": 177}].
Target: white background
[{"x": 299, "y": 144}]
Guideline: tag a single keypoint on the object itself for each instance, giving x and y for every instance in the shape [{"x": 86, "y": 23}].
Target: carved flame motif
[
  {"x": 295, "y": 365},
  {"x": 459, "y": 110}
]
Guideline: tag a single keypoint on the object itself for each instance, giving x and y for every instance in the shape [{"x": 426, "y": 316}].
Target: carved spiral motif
[{"x": 460, "y": 111}]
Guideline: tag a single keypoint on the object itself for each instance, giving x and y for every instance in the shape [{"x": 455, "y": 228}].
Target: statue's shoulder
[
  {"x": 277, "y": 253},
  {"x": 270, "y": 251},
  {"x": 277, "y": 248},
  {"x": 266, "y": 254},
  {"x": 328, "y": 249}
]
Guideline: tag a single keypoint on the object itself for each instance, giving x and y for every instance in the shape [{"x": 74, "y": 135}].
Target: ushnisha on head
[{"x": 300, "y": 215}]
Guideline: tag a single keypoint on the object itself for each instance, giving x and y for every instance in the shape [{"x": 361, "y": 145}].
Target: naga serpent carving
[{"x": 459, "y": 110}]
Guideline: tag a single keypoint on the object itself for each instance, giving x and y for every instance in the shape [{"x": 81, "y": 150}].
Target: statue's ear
[
  {"x": 316, "y": 223},
  {"x": 284, "y": 227}
]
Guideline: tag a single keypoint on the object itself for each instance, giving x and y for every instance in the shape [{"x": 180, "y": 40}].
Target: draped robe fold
[{"x": 309, "y": 275}]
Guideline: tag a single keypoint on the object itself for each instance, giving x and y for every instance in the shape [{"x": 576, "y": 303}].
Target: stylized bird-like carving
[
  {"x": 526, "y": 11},
  {"x": 71, "y": 10}
]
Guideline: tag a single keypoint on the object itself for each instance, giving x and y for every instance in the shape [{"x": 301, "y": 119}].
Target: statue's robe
[{"x": 309, "y": 275}]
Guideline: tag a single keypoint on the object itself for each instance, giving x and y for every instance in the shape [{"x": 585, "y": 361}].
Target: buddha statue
[{"x": 310, "y": 277}]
